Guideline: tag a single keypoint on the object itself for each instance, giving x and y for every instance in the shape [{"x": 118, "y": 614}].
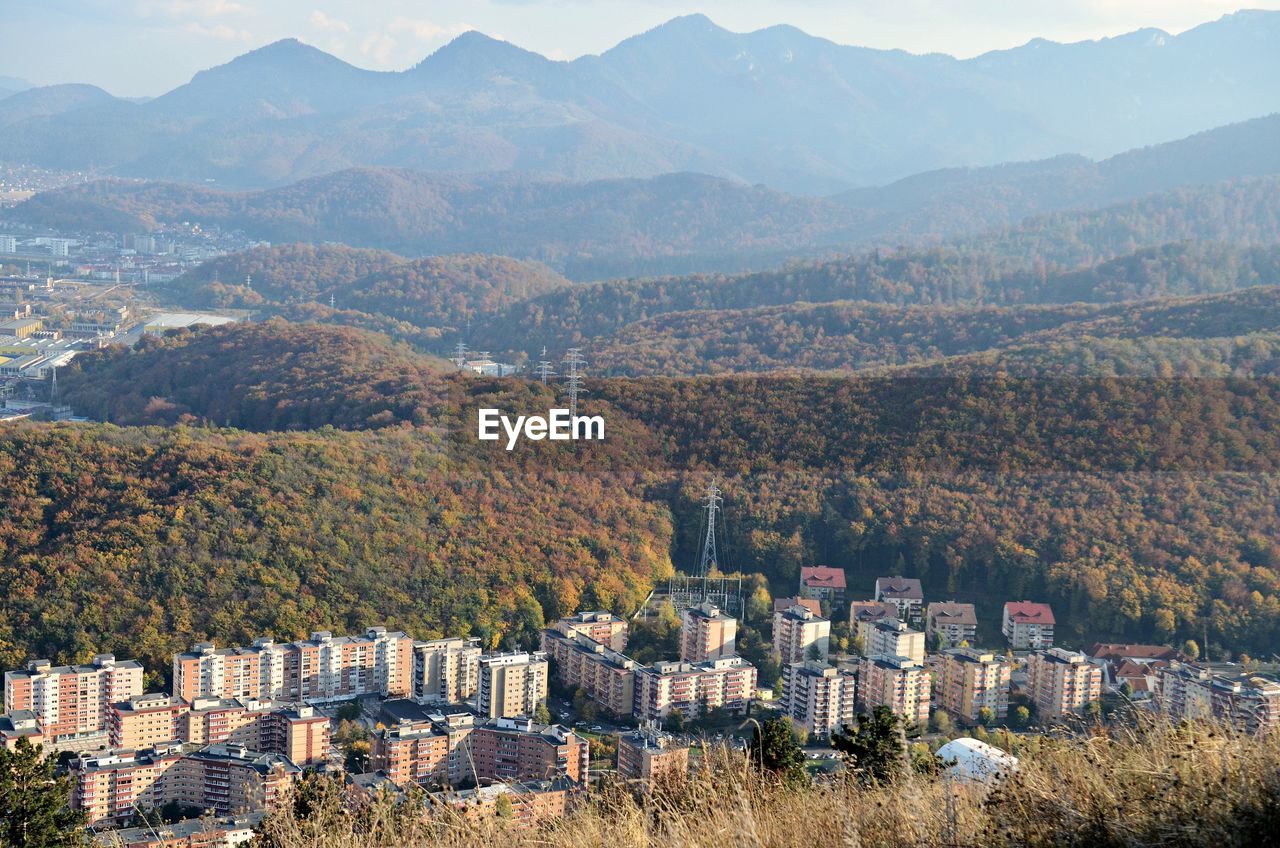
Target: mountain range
[
  {"x": 669, "y": 224},
  {"x": 777, "y": 106}
]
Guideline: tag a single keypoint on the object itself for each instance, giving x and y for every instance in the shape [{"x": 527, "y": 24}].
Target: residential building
[
  {"x": 814, "y": 605},
  {"x": 603, "y": 627},
  {"x": 71, "y": 702},
  {"x": 297, "y": 732},
  {"x": 863, "y": 615},
  {"x": 899, "y": 683},
  {"x": 1061, "y": 682},
  {"x": 20, "y": 724},
  {"x": 531, "y": 803},
  {"x": 694, "y": 689},
  {"x": 511, "y": 685},
  {"x": 647, "y": 754},
  {"x": 230, "y": 779},
  {"x": 822, "y": 583},
  {"x": 411, "y": 754},
  {"x": 906, "y": 594},
  {"x": 800, "y": 635},
  {"x": 892, "y": 637},
  {"x": 446, "y": 670},
  {"x": 321, "y": 669},
  {"x": 511, "y": 749},
  {"x": 969, "y": 681},
  {"x": 706, "y": 633},
  {"x": 110, "y": 788},
  {"x": 956, "y": 624},
  {"x": 819, "y": 698},
  {"x": 1222, "y": 692},
  {"x": 217, "y": 832},
  {"x": 146, "y": 721},
  {"x": 1027, "y": 625},
  {"x": 608, "y": 677},
  {"x": 1136, "y": 665}
]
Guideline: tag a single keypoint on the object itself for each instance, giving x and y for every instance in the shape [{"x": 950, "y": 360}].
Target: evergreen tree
[
  {"x": 33, "y": 803},
  {"x": 775, "y": 749},
  {"x": 877, "y": 744}
]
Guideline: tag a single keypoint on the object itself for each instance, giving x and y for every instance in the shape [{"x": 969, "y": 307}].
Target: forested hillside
[
  {"x": 1190, "y": 336},
  {"x": 1142, "y": 509},
  {"x": 142, "y": 541}
]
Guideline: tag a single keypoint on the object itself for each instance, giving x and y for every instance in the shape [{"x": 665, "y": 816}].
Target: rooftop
[
  {"x": 899, "y": 587},
  {"x": 822, "y": 577},
  {"x": 1029, "y": 612},
  {"x": 950, "y": 612}
]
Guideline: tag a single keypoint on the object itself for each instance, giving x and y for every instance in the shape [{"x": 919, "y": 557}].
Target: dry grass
[{"x": 1149, "y": 785}]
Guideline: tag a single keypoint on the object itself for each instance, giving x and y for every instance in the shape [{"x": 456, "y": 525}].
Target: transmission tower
[
  {"x": 460, "y": 355},
  {"x": 573, "y": 363},
  {"x": 711, "y": 503}
]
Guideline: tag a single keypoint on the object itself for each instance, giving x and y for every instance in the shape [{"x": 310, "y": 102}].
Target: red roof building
[
  {"x": 822, "y": 583},
  {"x": 1028, "y": 625}
]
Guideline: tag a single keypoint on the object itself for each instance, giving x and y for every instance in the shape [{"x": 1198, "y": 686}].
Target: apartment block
[
  {"x": 508, "y": 750},
  {"x": 1223, "y": 692},
  {"x": 799, "y": 635},
  {"x": 1027, "y": 625},
  {"x": 970, "y": 680},
  {"x": 608, "y": 677},
  {"x": 531, "y": 803},
  {"x": 446, "y": 670},
  {"x": 322, "y": 668},
  {"x": 647, "y": 754},
  {"x": 412, "y": 755},
  {"x": 955, "y": 624},
  {"x": 1061, "y": 682},
  {"x": 863, "y": 615},
  {"x": 906, "y": 594},
  {"x": 603, "y": 627},
  {"x": 20, "y": 724},
  {"x": 694, "y": 689},
  {"x": 72, "y": 701},
  {"x": 230, "y": 779},
  {"x": 110, "y": 788},
  {"x": 893, "y": 638},
  {"x": 146, "y": 721},
  {"x": 899, "y": 683},
  {"x": 822, "y": 583},
  {"x": 511, "y": 685},
  {"x": 707, "y": 633},
  {"x": 205, "y": 832},
  {"x": 297, "y": 732},
  {"x": 819, "y": 697}
]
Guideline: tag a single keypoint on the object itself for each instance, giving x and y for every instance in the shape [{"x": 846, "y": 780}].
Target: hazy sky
[{"x": 146, "y": 47}]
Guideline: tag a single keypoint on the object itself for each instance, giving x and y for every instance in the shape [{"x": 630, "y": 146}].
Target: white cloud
[
  {"x": 427, "y": 31},
  {"x": 322, "y": 21}
]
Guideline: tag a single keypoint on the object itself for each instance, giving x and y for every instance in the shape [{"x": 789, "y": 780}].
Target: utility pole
[{"x": 573, "y": 363}]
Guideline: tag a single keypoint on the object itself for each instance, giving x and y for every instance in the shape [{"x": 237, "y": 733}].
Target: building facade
[
  {"x": 893, "y": 638},
  {"x": 800, "y": 636},
  {"x": 694, "y": 689},
  {"x": 511, "y": 685},
  {"x": 955, "y": 624},
  {"x": 707, "y": 633},
  {"x": 1248, "y": 702},
  {"x": 446, "y": 670},
  {"x": 970, "y": 681},
  {"x": 906, "y": 594},
  {"x": 1061, "y": 682},
  {"x": 603, "y": 627},
  {"x": 819, "y": 698},
  {"x": 608, "y": 677},
  {"x": 1027, "y": 625},
  {"x": 899, "y": 683},
  {"x": 72, "y": 701}
]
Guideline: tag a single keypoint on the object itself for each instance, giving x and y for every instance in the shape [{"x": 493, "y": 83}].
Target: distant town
[{"x": 523, "y": 734}]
